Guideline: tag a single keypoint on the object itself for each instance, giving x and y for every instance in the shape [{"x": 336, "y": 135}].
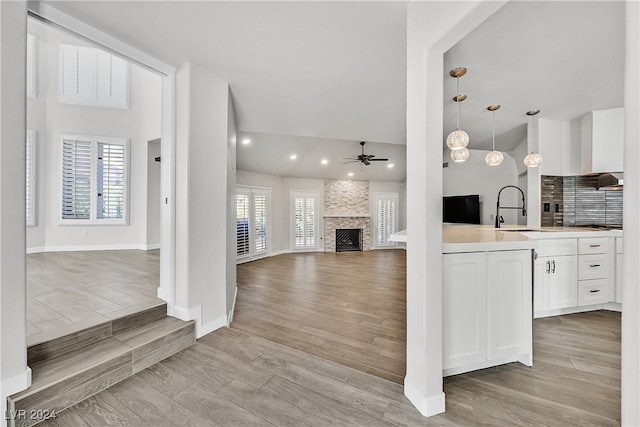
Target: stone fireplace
[{"x": 346, "y": 206}]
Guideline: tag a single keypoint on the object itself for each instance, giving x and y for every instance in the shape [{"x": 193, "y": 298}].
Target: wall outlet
[{"x": 83, "y": 233}]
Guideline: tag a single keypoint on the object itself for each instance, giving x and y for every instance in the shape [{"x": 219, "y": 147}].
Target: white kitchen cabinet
[
  {"x": 603, "y": 141},
  {"x": 464, "y": 309},
  {"x": 555, "y": 276},
  {"x": 487, "y": 309},
  {"x": 508, "y": 303},
  {"x": 596, "y": 271},
  {"x": 619, "y": 270}
]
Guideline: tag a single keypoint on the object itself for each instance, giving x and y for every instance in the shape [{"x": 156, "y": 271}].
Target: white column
[
  {"x": 14, "y": 373},
  {"x": 630, "y": 291}
]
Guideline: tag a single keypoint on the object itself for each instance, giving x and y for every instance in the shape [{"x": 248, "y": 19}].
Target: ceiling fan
[{"x": 366, "y": 159}]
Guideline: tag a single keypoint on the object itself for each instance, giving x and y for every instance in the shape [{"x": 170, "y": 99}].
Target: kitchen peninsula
[{"x": 490, "y": 278}]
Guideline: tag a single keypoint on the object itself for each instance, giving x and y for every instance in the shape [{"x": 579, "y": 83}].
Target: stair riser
[
  {"x": 162, "y": 353},
  {"x": 80, "y": 393},
  {"x": 59, "y": 346}
]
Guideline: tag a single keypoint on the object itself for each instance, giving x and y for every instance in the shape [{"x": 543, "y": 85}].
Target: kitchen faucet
[{"x": 499, "y": 219}]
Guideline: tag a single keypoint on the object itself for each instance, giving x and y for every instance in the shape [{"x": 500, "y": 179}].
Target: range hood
[{"x": 610, "y": 181}]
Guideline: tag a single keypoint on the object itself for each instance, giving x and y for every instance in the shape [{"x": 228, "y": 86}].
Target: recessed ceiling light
[
  {"x": 324, "y": 161},
  {"x": 390, "y": 165},
  {"x": 350, "y": 174},
  {"x": 293, "y": 157},
  {"x": 246, "y": 141}
]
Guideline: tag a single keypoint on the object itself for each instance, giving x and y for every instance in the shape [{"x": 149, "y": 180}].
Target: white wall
[
  {"x": 281, "y": 189},
  {"x": 14, "y": 373},
  {"x": 141, "y": 123},
  {"x": 475, "y": 177},
  {"x": 205, "y": 155},
  {"x": 231, "y": 209}
]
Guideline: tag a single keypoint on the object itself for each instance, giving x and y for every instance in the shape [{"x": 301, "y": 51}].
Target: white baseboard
[
  {"x": 78, "y": 248},
  {"x": 180, "y": 313},
  {"x": 572, "y": 310},
  {"x": 233, "y": 307},
  {"x": 427, "y": 406},
  {"x": 16, "y": 383},
  {"x": 195, "y": 314},
  {"x": 613, "y": 306},
  {"x": 283, "y": 251},
  {"x": 203, "y": 330}
]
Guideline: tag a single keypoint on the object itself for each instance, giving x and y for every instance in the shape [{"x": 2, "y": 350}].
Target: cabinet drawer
[
  {"x": 593, "y": 245},
  {"x": 592, "y": 266},
  {"x": 553, "y": 247},
  {"x": 592, "y": 292}
]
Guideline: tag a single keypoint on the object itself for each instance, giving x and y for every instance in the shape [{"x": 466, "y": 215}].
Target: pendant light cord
[
  {"x": 458, "y": 101},
  {"x": 493, "y": 126}
]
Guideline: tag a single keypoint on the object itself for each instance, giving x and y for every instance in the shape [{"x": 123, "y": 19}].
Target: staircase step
[
  {"x": 39, "y": 352},
  {"x": 63, "y": 381}
]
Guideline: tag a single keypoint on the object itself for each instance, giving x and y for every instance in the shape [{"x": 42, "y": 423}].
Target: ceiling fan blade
[
  {"x": 366, "y": 162},
  {"x": 352, "y": 161},
  {"x": 379, "y": 160}
]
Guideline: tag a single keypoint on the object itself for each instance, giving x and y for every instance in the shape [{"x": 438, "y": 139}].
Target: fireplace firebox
[{"x": 348, "y": 239}]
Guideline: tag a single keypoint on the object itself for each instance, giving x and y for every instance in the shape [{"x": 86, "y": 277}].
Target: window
[
  {"x": 89, "y": 76},
  {"x": 31, "y": 66},
  {"x": 30, "y": 193},
  {"x": 94, "y": 178},
  {"x": 252, "y": 222},
  {"x": 305, "y": 232},
  {"x": 386, "y": 218}
]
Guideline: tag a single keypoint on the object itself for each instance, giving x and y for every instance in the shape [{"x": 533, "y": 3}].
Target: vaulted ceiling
[{"x": 326, "y": 75}]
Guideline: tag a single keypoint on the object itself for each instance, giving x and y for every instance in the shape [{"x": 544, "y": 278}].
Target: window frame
[
  {"x": 93, "y": 219},
  {"x": 251, "y": 192},
  {"x": 30, "y": 181},
  {"x": 377, "y": 196},
  {"x": 305, "y": 194}
]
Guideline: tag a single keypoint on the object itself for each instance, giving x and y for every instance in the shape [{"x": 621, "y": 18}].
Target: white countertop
[{"x": 475, "y": 238}]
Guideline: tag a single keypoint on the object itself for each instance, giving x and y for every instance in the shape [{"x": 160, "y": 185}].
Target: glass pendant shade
[
  {"x": 533, "y": 160},
  {"x": 494, "y": 158},
  {"x": 460, "y": 155},
  {"x": 457, "y": 140}
]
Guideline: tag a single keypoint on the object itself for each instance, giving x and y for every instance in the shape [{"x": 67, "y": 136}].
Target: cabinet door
[
  {"x": 509, "y": 303},
  {"x": 464, "y": 309},
  {"x": 563, "y": 283},
  {"x": 541, "y": 284},
  {"x": 619, "y": 277}
]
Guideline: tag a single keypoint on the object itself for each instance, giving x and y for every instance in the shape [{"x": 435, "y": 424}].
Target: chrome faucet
[{"x": 499, "y": 219}]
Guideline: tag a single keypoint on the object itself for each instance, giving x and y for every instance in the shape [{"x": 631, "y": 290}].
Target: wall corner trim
[
  {"x": 16, "y": 383},
  {"x": 427, "y": 406},
  {"x": 233, "y": 308}
]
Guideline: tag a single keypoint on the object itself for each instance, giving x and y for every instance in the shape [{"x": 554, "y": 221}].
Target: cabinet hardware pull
[
  {"x": 548, "y": 267},
  {"x": 554, "y": 266},
  {"x": 593, "y": 291},
  {"x": 594, "y": 246},
  {"x": 594, "y": 265}
]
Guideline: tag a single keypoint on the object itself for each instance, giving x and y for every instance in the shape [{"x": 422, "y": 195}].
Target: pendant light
[
  {"x": 533, "y": 159},
  {"x": 458, "y": 139},
  {"x": 460, "y": 155},
  {"x": 494, "y": 158}
]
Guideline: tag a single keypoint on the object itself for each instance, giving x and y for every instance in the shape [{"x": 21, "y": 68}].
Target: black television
[{"x": 461, "y": 209}]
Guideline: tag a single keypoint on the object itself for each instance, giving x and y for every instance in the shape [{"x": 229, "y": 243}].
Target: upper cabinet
[{"x": 603, "y": 141}]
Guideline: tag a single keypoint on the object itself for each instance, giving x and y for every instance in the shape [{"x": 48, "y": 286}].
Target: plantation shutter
[
  {"x": 110, "y": 181},
  {"x": 242, "y": 225},
  {"x": 76, "y": 179},
  {"x": 386, "y": 219},
  {"x": 111, "y": 80},
  {"x": 77, "y": 75},
  {"x": 30, "y": 178},
  {"x": 304, "y": 220},
  {"x": 260, "y": 216}
]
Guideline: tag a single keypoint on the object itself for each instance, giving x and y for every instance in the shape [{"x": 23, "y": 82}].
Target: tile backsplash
[{"x": 574, "y": 201}]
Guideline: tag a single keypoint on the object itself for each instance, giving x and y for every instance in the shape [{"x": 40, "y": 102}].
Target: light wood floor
[
  {"x": 70, "y": 291},
  {"x": 349, "y": 308},
  {"x": 233, "y": 377}
]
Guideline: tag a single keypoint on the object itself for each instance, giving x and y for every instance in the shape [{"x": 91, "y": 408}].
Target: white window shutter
[
  {"x": 110, "y": 181},
  {"x": 242, "y": 225},
  {"x": 260, "y": 223},
  {"x": 386, "y": 219},
  {"x": 31, "y": 178},
  {"x": 92, "y": 77},
  {"x": 76, "y": 179},
  {"x": 304, "y": 220}
]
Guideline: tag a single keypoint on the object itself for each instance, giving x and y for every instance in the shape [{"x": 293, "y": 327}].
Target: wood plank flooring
[
  {"x": 71, "y": 291},
  {"x": 349, "y": 308},
  {"x": 237, "y": 377}
]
